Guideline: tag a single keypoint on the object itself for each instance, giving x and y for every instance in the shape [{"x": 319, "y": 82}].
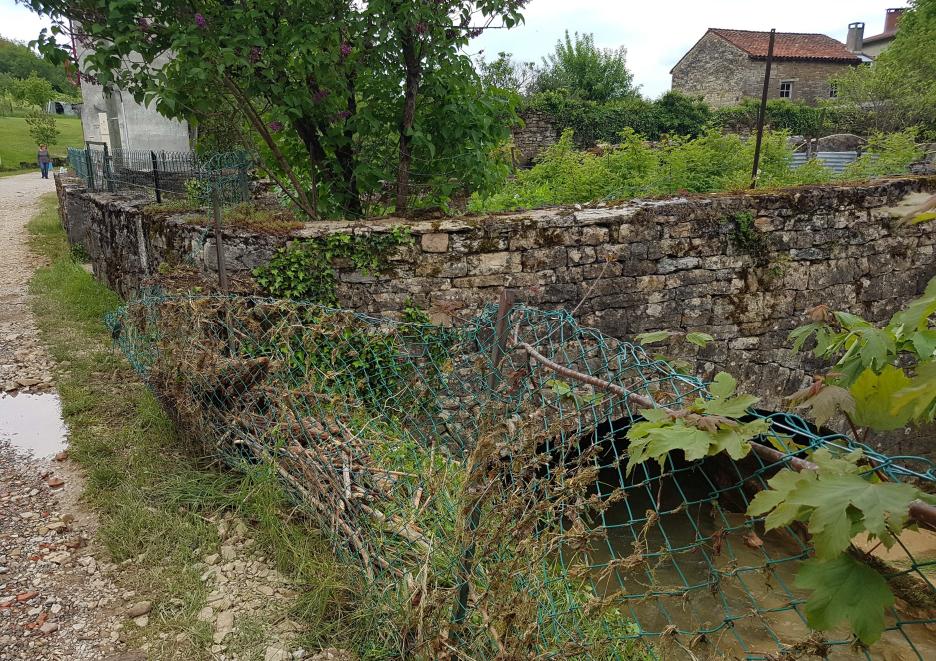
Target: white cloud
[
  {"x": 19, "y": 23},
  {"x": 657, "y": 34}
]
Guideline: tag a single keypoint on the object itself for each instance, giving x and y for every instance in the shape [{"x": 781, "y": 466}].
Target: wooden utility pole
[{"x": 762, "y": 113}]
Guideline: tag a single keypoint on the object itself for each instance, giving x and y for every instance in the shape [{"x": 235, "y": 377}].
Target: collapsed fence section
[
  {"x": 162, "y": 174},
  {"x": 477, "y": 477}
]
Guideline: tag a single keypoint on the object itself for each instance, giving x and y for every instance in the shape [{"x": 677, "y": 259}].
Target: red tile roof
[
  {"x": 788, "y": 45},
  {"x": 880, "y": 37}
]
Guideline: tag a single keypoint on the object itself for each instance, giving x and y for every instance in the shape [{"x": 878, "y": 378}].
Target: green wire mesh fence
[
  {"x": 159, "y": 174},
  {"x": 476, "y": 476}
]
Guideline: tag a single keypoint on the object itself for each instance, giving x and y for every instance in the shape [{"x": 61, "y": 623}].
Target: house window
[
  {"x": 833, "y": 91},
  {"x": 786, "y": 89}
]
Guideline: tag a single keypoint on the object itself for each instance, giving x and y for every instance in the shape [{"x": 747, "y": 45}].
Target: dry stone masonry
[{"x": 743, "y": 267}]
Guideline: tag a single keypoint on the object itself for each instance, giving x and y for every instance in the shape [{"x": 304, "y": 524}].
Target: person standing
[{"x": 45, "y": 161}]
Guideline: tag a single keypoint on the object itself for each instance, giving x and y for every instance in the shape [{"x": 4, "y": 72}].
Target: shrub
[
  {"x": 886, "y": 154},
  {"x": 782, "y": 115}
]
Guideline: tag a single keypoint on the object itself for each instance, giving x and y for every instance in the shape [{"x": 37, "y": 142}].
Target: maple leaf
[
  {"x": 655, "y": 440},
  {"x": 873, "y": 394},
  {"x": 723, "y": 403},
  {"x": 918, "y": 398},
  {"x": 845, "y": 589},
  {"x": 828, "y": 401}
]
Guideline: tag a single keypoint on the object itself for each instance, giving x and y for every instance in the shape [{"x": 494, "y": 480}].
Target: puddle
[{"x": 33, "y": 423}]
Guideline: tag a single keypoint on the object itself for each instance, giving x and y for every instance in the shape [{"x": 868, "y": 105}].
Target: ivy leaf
[
  {"x": 827, "y": 402},
  {"x": 699, "y": 339},
  {"x": 559, "y": 388},
  {"x": 653, "y": 337},
  {"x": 873, "y": 394},
  {"x": 845, "y": 589}
]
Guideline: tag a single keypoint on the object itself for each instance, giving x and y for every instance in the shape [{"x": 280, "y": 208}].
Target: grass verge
[
  {"x": 155, "y": 499},
  {"x": 17, "y": 146}
]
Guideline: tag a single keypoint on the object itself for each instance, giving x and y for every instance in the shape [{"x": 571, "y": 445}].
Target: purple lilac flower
[
  {"x": 200, "y": 21},
  {"x": 275, "y": 127},
  {"x": 320, "y": 95},
  {"x": 344, "y": 114},
  {"x": 143, "y": 23},
  {"x": 421, "y": 28},
  {"x": 345, "y": 49},
  {"x": 255, "y": 53}
]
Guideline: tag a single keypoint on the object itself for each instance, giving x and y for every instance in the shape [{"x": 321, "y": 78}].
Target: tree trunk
[{"x": 410, "y": 89}]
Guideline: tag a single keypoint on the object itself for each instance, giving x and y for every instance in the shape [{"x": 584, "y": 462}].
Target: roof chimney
[
  {"x": 892, "y": 18},
  {"x": 855, "y": 40}
]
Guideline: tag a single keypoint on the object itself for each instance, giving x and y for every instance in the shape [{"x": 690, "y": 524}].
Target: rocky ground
[
  {"x": 60, "y": 597},
  {"x": 57, "y": 600}
]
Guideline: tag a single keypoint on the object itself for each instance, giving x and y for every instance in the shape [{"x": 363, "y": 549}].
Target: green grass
[
  {"x": 17, "y": 146},
  {"x": 154, "y": 497}
]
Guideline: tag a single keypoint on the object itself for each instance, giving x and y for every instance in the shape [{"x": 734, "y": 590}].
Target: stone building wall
[
  {"x": 535, "y": 135},
  {"x": 646, "y": 265},
  {"x": 723, "y": 75}
]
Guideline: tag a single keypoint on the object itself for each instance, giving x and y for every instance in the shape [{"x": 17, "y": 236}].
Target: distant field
[{"x": 17, "y": 146}]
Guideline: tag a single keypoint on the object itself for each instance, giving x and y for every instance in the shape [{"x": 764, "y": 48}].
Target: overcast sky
[{"x": 656, "y": 34}]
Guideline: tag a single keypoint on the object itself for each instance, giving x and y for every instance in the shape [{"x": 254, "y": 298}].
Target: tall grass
[{"x": 156, "y": 500}]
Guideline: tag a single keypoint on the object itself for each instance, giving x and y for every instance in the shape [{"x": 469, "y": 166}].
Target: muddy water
[
  {"x": 700, "y": 586},
  {"x": 33, "y": 423}
]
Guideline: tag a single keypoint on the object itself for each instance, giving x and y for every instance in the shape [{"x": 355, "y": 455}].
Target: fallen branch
[{"x": 919, "y": 511}]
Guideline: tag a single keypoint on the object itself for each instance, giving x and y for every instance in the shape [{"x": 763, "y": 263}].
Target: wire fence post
[
  {"x": 474, "y": 516},
  {"x": 156, "y": 177},
  {"x": 90, "y": 167},
  {"x": 219, "y": 239},
  {"x": 108, "y": 179},
  {"x": 763, "y": 109}
]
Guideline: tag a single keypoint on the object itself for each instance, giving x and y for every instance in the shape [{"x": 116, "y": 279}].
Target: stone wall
[
  {"x": 723, "y": 75},
  {"x": 536, "y": 134},
  {"x": 672, "y": 264}
]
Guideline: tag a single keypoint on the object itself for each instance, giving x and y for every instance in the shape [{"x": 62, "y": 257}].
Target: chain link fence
[
  {"x": 482, "y": 491},
  {"x": 163, "y": 174}
]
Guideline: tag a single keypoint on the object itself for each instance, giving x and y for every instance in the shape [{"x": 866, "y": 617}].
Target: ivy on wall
[{"x": 304, "y": 270}]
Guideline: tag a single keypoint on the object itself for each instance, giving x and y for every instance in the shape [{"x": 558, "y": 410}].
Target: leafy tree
[
  {"x": 341, "y": 96},
  {"x": 42, "y": 128},
  {"x": 586, "y": 71},
  {"x": 504, "y": 73},
  {"x": 32, "y": 90},
  {"x": 679, "y": 114},
  {"x": 20, "y": 61},
  {"x": 899, "y": 89}
]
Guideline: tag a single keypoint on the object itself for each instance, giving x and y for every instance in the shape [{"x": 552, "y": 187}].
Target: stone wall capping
[{"x": 634, "y": 266}]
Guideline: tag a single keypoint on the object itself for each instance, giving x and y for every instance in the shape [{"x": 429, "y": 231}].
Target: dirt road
[{"x": 57, "y": 599}]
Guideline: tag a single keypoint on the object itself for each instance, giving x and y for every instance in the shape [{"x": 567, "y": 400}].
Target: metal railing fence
[{"x": 160, "y": 174}]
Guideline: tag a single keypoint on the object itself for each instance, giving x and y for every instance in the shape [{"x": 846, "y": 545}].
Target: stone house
[
  {"x": 875, "y": 44},
  {"x": 726, "y": 66}
]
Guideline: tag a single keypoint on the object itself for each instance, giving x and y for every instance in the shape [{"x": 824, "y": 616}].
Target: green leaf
[
  {"x": 918, "y": 398},
  {"x": 653, "y": 337},
  {"x": 874, "y": 394},
  {"x": 723, "y": 385},
  {"x": 801, "y": 334},
  {"x": 827, "y": 402},
  {"x": 559, "y": 388},
  {"x": 845, "y": 589},
  {"x": 924, "y": 343},
  {"x": 839, "y": 501},
  {"x": 699, "y": 339},
  {"x": 655, "y": 440}
]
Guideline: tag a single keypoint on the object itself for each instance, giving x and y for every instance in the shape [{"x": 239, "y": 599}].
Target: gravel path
[
  {"x": 24, "y": 364},
  {"x": 57, "y": 600}
]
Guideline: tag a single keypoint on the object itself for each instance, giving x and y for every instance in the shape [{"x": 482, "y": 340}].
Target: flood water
[
  {"x": 699, "y": 586},
  {"x": 33, "y": 423}
]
